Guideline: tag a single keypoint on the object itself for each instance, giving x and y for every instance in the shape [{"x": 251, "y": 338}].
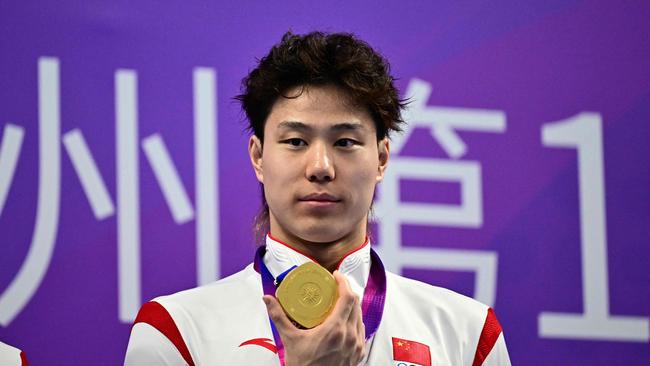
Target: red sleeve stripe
[
  {"x": 489, "y": 336},
  {"x": 157, "y": 316},
  {"x": 23, "y": 359}
]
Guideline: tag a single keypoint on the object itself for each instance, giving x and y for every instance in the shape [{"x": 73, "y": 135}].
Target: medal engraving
[
  {"x": 307, "y": 294},
  {"x": 310, "y": 294}
]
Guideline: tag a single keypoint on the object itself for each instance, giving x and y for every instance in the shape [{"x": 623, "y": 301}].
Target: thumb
[{"x": 280, "y": 319}]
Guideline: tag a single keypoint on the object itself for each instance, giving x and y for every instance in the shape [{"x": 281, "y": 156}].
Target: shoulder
[
  {"x": 177, "y": 325},
  {"x": 210, "y": 304},
  {"x": 468, "y": 327},
  {"x": 437, "y": 301},
  {"x": 10, "y": 355},
  {"x": 224, "y": 292}
]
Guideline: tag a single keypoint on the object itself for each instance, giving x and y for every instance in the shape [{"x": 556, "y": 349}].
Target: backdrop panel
[{"x": 522, "y": 179}]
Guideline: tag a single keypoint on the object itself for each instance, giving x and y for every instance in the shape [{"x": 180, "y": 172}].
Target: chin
[{"x": 320, "y": 233}]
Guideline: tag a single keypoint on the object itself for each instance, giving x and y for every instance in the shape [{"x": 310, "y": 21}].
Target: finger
[
  {"x": 356, "y": 318},
  {"x": 345, "y": 302},
  {"x": 358, "y": 329},
  {"x": 361, "y": 328},
  {"x": 355, "y": 312},
  {"x": 361, "y": 331},
  {"x": 280, "y": 319}
]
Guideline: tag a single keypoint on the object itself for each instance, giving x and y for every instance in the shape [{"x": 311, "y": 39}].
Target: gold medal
[{"x": 308, "y": 294}]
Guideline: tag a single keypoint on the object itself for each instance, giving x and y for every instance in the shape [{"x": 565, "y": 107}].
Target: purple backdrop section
[{"x": 537, "y": 63}]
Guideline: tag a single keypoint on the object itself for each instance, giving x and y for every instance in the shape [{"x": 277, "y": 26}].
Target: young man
[{"x": 321, "y": 107}]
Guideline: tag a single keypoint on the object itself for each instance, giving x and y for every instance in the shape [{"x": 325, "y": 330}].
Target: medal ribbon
[{"x": 372, "y": 306}]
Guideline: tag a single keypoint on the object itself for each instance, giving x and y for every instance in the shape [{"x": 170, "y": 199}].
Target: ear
[
  {"x": 383, "y": 149},
  {"x": 255, "y": 154}
]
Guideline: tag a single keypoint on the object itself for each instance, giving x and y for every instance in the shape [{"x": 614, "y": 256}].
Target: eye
[
  {"x": 295, "y": 142},
  {"x": 345, "y": 142}
]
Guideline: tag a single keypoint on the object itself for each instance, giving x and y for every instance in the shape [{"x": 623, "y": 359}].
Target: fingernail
[{"x": 266, "y": 300}]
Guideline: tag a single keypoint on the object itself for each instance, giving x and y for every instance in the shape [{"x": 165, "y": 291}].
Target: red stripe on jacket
[
  {"x": 157, "y": 316},
  {"x": 489, "y": 335}
]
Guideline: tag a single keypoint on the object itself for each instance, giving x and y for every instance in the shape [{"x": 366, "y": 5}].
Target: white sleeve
[
  {"x": 147, "y": 346},
  {"x": 10, "y": 356},
  {"x": 498, "y": 356}
]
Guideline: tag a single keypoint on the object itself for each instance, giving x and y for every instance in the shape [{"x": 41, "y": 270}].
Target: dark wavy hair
[{"x": 317, "y": 59}]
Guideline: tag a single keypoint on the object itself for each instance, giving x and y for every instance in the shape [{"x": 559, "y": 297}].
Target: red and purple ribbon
[{"x": 372, "y": 306}]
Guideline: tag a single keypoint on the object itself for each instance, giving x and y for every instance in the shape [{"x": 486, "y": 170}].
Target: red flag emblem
[{"x": 410, "y": 351}]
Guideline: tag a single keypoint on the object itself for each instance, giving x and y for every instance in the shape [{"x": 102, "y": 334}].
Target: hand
[{"x": 339, "y": 340}]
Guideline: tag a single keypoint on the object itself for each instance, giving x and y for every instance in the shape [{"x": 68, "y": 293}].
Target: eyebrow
[{"x": 300, "y": 126}]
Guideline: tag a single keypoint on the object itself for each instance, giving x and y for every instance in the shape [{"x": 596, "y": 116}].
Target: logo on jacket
[
  {"x": 410, "y": 353},
  {"x": 262, "y": 342}
]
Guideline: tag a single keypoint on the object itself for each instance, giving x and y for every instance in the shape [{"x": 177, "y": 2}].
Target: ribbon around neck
[{"x": 372, "y": 306}]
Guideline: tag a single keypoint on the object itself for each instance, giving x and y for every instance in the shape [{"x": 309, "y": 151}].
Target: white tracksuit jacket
[
  {"x": 11, "y": 356},
  {"x": 226, "y": 323}
]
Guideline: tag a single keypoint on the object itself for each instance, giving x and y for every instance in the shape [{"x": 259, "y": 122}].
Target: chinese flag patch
[{"x": 410, "y": 351}]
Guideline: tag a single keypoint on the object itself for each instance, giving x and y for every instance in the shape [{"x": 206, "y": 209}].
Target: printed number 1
[{"x": 584, "y": 133}]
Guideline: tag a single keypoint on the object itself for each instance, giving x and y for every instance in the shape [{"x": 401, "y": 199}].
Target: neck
[{"x": 327, "y": 254}]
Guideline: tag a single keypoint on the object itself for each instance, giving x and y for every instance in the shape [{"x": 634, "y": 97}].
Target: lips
[
  {"x": 319, "y": 197},
  {"x": 320, "y": 202}
]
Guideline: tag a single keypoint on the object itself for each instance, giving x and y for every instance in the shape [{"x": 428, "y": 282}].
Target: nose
[{"x": 320, "y": 167}]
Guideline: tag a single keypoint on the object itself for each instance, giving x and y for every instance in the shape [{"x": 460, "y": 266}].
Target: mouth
[
  {"x": 320, "y": 201},
  {"x": 320, "y": 197}
]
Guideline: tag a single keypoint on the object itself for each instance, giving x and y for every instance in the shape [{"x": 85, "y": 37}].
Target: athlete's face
[{"x": 319, "y": 164}]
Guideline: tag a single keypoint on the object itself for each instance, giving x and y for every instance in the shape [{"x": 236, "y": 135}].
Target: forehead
[{"x": 318, "y": 106}]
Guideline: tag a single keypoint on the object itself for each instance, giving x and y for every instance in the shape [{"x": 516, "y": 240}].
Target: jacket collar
[{"x": 355, "y": 265}]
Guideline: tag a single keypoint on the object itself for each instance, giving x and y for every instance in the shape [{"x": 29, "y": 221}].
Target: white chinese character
[
  {"x": 392, "y": 213},
  {"x": 31, "y": 273}
]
